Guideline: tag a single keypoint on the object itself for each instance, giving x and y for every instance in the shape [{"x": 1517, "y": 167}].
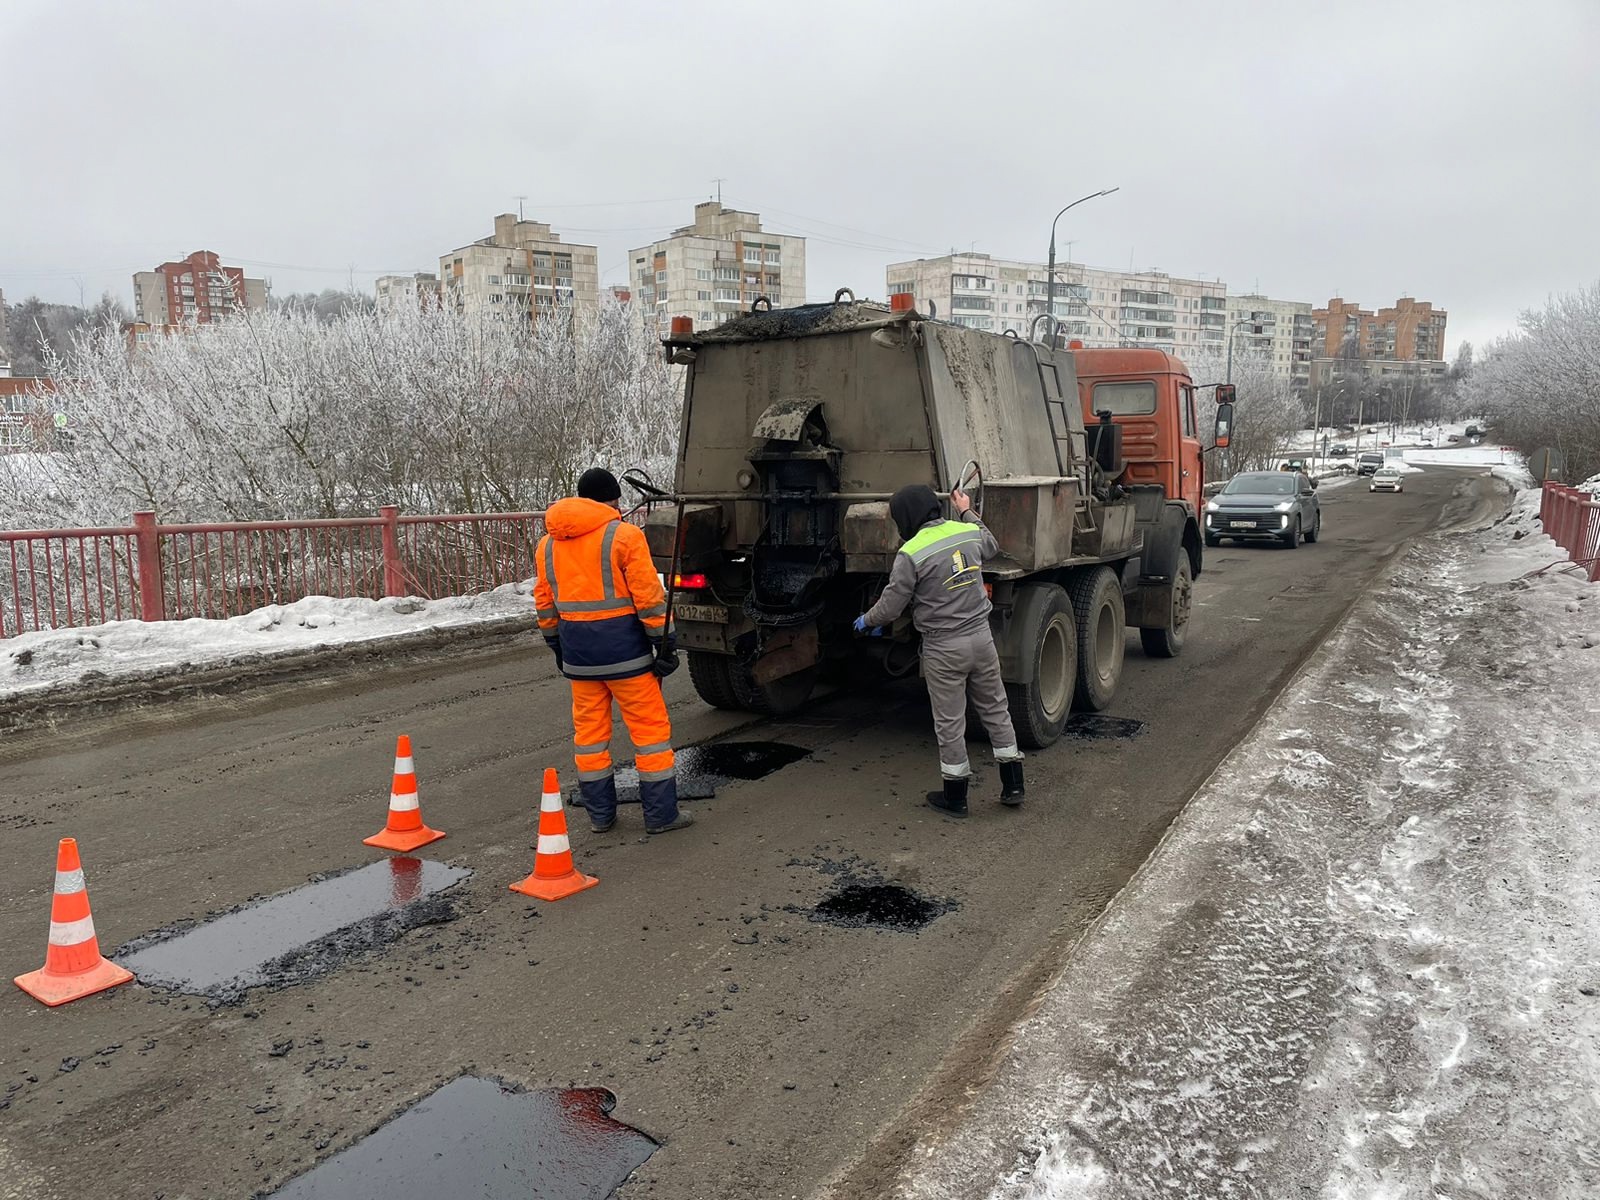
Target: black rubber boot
[
  {"x": 1011, "y": 791},
  {"x": 953, "y": 800}
]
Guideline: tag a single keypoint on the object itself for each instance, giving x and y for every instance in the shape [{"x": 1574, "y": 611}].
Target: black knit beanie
[{"x": 597, "y": 483}]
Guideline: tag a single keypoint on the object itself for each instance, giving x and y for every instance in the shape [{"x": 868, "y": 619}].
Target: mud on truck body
[{"x": 798, "y": 424}]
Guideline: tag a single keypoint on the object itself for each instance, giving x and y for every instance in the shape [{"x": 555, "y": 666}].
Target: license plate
[
  {"x": 1241, "y": 524},
  {"x": 712, "y": 614}
]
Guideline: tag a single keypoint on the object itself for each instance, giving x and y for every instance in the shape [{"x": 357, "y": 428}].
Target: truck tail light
[{"x": 690, "y": 581}]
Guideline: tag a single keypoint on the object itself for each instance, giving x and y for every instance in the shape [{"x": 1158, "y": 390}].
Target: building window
[
  {"x": 702, "y": 295},
  {"x": 493, "y": 279},
  {"x": 772, "y": 257},
  {"x": 702, "y": 273},
  {"x": 752, "y": 254}
]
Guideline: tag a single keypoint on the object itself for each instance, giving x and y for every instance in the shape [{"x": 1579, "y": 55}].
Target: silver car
[{"x": 1387, "y": 479}]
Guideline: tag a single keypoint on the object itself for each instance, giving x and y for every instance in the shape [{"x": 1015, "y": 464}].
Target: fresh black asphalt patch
[
  {"x": 296, "y": 935},
  {"x": 480, "y": 1138},
  {"x": 703, "y": 769},
  {"x": 1098, "y": 726}
]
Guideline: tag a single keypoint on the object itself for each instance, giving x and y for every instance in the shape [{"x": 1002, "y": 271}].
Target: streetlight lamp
[{"x": 1050, "y": 271}]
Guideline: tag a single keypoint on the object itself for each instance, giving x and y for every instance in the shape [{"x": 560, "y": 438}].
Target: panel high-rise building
[{"x": 716, "y": 268}]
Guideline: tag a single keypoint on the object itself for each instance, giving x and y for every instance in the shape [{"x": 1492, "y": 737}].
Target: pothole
[
  {"x": 299, "y": 934},
  {"x": 1099, "y": 726},
  {"x": 702, "y": 769},
  {"x": 878, "y": 906},
  {"x": 481, "y": 1138}
]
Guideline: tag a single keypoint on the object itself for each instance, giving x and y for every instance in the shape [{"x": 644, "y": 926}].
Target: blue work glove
[{"x": 860, "y": 626}]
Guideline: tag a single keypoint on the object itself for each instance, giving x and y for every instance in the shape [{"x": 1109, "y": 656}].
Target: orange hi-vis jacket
[{"x": 597, "y": 590}]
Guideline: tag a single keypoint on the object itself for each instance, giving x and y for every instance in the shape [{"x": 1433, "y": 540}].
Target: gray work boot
[
  {"x": 952, "y": 801},
  {"x": 682, "y": 821},
  {"x": 1011, "y": 792}
]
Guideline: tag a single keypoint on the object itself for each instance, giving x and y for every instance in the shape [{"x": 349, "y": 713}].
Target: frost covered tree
[
  {"x": 1540, "y": 386},
  {"x": 1266, "y": 417},
  {"x": 282, "y": 415}
]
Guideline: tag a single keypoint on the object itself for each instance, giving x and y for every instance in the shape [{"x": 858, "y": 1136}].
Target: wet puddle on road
[
  {"x": 299, "y": 934},
  {"x": 703, "y": 769},
  {"x": 476, "y": 1137},
  {"x": 1098, "y": 726},
  {"x": 878, "y": 906}
]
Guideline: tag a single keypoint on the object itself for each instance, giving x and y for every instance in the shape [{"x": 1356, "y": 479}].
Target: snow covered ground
[
  {"x": 1365, "y": 962},
  {"x": 33, "y": 662}
]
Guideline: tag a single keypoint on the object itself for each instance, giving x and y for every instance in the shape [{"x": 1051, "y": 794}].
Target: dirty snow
[
  {"x": 103, "y": 653},
  {"x": 1365, "y": 962}
]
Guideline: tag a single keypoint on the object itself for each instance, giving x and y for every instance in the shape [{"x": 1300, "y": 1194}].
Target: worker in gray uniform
[{"x": 939, "y": 574}]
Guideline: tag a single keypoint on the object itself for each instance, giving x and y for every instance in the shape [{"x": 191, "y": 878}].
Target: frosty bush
[
  {"x": 277, "y": 415},
  {"x": 1541, "y": 386}
]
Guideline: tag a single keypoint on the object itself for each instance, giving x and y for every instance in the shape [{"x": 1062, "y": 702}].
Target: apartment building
[
  {"x": 716, "y": 267},
  {"x": 1405, "y": 339},
  {"x": 1410, "y": 330},
  {"x": 413, "y": 293},
  {"x": 1098, "y": 307},
  {"x": 1281, "y": 331},
  {"x": 194, "y": 291},
  {"x": 519, "y": 273}
]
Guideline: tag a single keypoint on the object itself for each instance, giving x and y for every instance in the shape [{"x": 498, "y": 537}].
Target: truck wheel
[
  {"x": 1097, "y": 601},
  {"x": 1039, "y": 709},
  {"x": 709, "y": 674},
  {"x": 1166, "y": 643},
  {"x": 770, "y": 699}
]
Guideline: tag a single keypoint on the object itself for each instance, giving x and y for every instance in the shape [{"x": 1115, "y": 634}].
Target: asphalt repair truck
[{"x": 798, "y": 424}]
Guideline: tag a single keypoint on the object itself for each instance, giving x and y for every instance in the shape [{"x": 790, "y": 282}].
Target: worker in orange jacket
[{"x": 602, "y": 611}]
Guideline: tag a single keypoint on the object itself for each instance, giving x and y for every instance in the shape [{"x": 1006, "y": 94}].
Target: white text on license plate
[{"x": 713, "y": 614}]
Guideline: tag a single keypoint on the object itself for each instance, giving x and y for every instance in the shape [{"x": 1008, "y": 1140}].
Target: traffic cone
[
  {"x": 554, "y": 876},
  {"x": 405, "y": 830},
  {"x": 73, "y": 966}
]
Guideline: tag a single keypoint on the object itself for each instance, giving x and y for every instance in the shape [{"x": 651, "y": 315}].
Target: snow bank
[
  {"x": 1364, "y": 963},
  {"x": 117, "y": 649}
]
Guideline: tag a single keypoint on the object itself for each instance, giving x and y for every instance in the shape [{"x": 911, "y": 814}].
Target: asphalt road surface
[{"x": 770, "y": 1054}]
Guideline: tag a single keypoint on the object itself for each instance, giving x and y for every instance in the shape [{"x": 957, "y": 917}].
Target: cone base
[
  {"x": 410, "y": 839},
  {"x": 58, "y": 989},
  {"x": 554, "y": 889}
]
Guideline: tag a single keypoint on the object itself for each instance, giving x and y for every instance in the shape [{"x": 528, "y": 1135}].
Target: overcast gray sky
[{"x": 1449, "y": 150}]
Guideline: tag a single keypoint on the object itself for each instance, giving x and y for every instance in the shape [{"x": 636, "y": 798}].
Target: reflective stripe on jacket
[
  {"x": 939, "y": 574},
  {"x": 597, "y": 590}
]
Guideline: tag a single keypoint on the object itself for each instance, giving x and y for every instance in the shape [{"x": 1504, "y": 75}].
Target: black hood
[{"x": 912, "y": 507}]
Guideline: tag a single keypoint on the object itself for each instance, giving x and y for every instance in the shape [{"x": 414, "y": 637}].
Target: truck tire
[
  {"x": 1166, "y": 643},
  {"x": 1097, "y": 602},
  {"x": 1039, "y": 709},
  {"x": 710, "y": 676},
  {"x": 770, "y": 699}
]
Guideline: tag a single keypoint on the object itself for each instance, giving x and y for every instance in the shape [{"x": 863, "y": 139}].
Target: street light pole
[{"x": 1050, "y": 271}]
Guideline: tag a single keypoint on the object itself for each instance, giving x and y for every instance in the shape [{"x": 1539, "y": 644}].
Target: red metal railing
[
  {"x": 1572, "y": 518},
  {"x": 63, "y": 578}
]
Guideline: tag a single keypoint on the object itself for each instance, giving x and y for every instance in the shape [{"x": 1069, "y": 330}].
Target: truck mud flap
[{"x": 786, "y": 653}]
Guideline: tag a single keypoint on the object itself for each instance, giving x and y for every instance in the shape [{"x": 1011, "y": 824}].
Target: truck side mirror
[{"x": 1224, "y": 424}]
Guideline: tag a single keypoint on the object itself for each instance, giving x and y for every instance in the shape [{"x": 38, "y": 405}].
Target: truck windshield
[
  {"x": 1125, "y": 399},
  {"x": 1263, "y": 484}
]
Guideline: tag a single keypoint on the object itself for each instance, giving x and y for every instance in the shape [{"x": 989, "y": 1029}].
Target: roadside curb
[{"x": 98, "y": 694}]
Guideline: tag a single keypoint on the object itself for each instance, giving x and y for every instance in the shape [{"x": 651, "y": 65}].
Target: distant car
[
  {"x": 1339, "y": 451},
  {"x": 1453, "y": 438},
  {"x": 1369, "y": 461},
  {"x": 1386, "y": 479},
  {"x": 1427, "y": 443},
  {"x": 1473, "y": 431},
  {"x": 1292, "y": 464},
  {"x": 1265, "y": 506}
]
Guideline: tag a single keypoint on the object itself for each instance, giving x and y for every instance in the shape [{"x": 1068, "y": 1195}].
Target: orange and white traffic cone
[
  {"x": 554, "y": 875},
  {"x": 405, "y": 830},
  {"x": 73, "y": 966}
]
